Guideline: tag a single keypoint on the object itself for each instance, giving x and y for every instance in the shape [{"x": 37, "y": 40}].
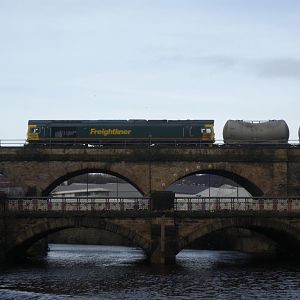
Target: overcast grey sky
[{"x": 149, "y": 59}]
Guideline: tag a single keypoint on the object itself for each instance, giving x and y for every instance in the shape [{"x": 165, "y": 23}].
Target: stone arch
[
  {"x": 286, "y": 235},
  {"x": 10, "y": 186},
  {"x": 31, "y": 234},
  {"x": 249, "y": 185},
  {"x": 72, "y": 174}
]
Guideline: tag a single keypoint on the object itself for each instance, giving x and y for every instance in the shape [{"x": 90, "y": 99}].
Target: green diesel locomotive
[{"x": 122, "y": 131}]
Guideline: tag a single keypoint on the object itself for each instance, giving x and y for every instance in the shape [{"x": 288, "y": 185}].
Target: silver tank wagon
[{"x": 251, "y": 132}]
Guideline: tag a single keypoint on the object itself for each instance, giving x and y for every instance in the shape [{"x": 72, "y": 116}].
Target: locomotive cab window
[
  {"x": 67, "y": 132},
  {"x": 206, "y": 130},
  {"x": 34, "y": 130}
]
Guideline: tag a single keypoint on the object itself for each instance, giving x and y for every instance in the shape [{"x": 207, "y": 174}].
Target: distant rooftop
[
  {"x": 222, "y": 191},
  {"x": 78, "y": 188},
  {"x": 186, "y": 189},
  {"x": 113, "y": 189}
]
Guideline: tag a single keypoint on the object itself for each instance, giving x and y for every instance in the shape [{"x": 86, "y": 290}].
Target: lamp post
[
  {"x": 117, "y": 187},
  {"x": 209, "y": 185},
  {"x": 87, "y": 185}
]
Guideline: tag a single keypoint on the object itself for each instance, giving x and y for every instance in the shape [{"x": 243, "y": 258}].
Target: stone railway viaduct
[{"x": 263, "y": 171}]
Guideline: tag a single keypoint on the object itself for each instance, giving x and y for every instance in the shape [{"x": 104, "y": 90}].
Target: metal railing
[
  {"x": 203, "y": 204},
  {"x": 12, "y": 142},
  {"x": 54, "y": 143},
  {"x": 218, "y": 204},
  {"x": 43, "y": 204}
]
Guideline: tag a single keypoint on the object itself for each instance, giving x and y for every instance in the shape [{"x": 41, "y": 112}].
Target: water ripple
[{"x": 105, "y": 272}]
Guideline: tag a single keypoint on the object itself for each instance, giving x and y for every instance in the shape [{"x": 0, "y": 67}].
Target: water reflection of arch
[{"x": 72, "y": 174}]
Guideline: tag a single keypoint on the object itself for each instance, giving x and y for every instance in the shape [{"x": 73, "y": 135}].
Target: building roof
[
  {"x": 113, "y": 189},
  {"x": 78, "y": 188},
  {"x": 186, "y": 189},
  {"x": 222, "y": 191},
  {"x": 127, "y": 190}
]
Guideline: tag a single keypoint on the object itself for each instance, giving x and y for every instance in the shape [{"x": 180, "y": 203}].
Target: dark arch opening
[
  {"x": 254, "y": 190},
  {"x": 237, "y": 239},
  {"x": 285, "y": 238},
  {"x": 18, "y": 251},
  {"x": 68, "y": 176},
  {"x": 89, "y": 236}
]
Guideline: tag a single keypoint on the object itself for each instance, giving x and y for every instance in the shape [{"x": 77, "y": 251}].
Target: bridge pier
[
  {"x": 163, "y": 241},
  {"x": 38, "y": 249},
  {"x": 2, "y": 241},
  {"x": 163, "y": 229}
]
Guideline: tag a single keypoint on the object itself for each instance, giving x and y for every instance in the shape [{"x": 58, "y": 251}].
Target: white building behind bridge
[
  {"x": 224, "y": 190},
  {"x": 109, "y": 190}
]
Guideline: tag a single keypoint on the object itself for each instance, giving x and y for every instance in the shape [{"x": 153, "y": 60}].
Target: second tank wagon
[{"x": 259, "y": 132}]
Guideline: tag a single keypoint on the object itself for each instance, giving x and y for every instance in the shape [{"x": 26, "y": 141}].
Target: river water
[{"x": 110, "y": 272}]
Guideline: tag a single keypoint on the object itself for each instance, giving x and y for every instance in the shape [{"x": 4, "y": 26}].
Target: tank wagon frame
[{"x": 101, "y": 132}]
